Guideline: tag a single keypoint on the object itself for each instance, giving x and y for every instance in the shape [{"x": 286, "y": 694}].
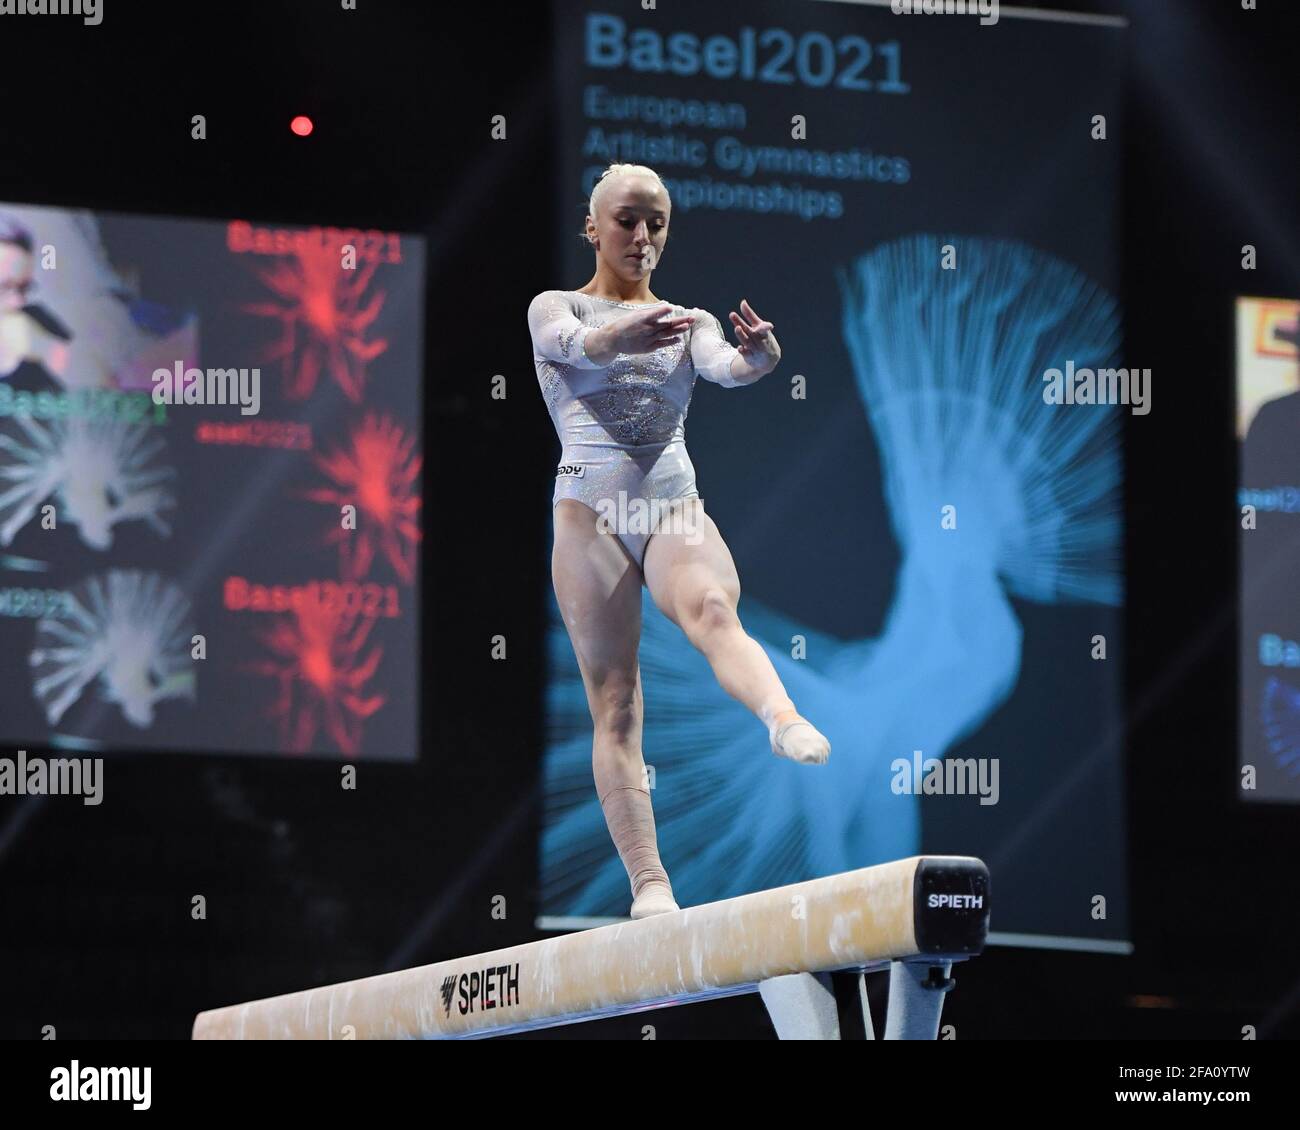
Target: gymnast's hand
[
  {"x": 755, "y": 339},
  {"x": 642, "y": 331}
]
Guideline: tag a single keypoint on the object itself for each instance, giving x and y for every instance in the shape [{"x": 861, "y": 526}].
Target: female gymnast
[{"x": 616, "y": 367}]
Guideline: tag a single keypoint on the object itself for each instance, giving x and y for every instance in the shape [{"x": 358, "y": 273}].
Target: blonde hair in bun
[{"x": 610, "y": 175}]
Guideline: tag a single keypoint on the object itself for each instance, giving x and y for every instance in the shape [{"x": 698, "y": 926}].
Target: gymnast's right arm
[{"x": 559, "y": 335}]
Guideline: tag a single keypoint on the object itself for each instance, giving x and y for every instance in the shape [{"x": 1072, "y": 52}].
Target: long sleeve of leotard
[
  {"x": 558, "y": 334},
  {"x": 711, "y": 353}
]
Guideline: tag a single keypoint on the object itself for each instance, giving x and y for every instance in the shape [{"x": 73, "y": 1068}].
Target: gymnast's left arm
[{"x": 718, "y": 361}]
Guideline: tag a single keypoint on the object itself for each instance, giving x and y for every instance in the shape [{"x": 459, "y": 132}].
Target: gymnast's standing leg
[{"x": 598, "y": 589}]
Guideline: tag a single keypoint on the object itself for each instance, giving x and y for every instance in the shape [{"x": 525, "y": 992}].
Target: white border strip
[
  {"x": 1056, "y": 942},
  {"x": 1022, "y": 14}
]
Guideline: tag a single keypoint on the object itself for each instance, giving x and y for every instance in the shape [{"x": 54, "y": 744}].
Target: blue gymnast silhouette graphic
[{"x": 949, "y": 367}]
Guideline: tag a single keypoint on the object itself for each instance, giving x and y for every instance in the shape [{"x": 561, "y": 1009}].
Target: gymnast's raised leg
[{"x": 692, "y": 578}]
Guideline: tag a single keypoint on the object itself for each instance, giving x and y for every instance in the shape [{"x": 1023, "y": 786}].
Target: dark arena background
[{"x": 286, "y": 696}]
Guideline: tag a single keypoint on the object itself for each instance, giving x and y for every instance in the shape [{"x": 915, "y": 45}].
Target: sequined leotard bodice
[{"x": 621, "y": 425}]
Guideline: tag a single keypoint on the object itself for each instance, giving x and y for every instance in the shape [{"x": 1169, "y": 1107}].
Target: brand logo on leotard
[{"x": 575, "y": 469}]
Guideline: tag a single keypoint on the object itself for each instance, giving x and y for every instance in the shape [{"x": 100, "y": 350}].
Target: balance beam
[{"x": 792, "y": 944}]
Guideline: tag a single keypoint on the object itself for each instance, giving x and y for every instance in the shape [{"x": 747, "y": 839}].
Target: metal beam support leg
[
  {"x": 916, "y": 992},
  {"x": 819, "y": 1006}
]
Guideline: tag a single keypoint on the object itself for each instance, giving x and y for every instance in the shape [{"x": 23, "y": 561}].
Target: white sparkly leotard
[{"x": 622, "y": 425}]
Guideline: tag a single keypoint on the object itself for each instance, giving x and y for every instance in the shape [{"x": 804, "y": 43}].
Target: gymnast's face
[
  {"x": 15, "y": 277},
  {"x": 632, "y": 226}
]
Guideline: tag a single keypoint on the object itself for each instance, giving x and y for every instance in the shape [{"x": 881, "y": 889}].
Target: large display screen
[
  {"x": 926, "y": 523},
  {"x": 210, "y": 447}
]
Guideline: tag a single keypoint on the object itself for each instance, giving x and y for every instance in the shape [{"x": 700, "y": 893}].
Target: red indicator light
[{"x": 301, "y": 125}]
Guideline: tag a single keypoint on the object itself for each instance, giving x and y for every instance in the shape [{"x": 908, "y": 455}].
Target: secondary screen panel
[
  {"x": 1268, "y": 427},
  {"x": 210, "y": 450}
]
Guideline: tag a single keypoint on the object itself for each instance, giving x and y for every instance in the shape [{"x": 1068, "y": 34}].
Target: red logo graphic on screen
[
  {"x": 376, "y": 473},
  {"x": 318, "y": 665},
  {"x": 324, "y": 316}
]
